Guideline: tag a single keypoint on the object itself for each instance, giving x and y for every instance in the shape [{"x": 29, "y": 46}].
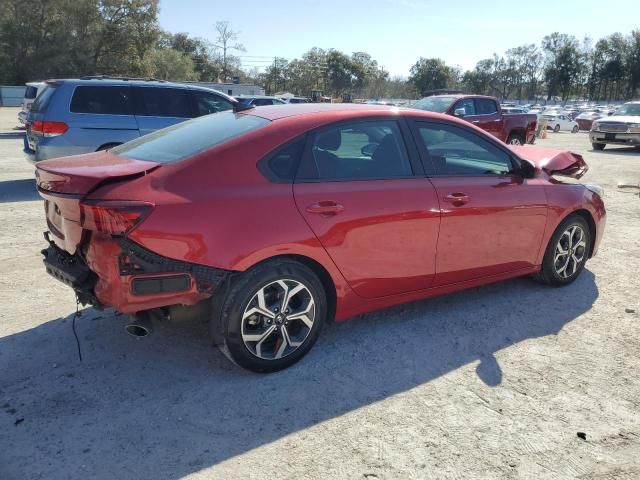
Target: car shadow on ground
[
  {"x": 630, "y": 151},
  {"x": 169, "y": 405},
  {"x": 18, "y": 191}
]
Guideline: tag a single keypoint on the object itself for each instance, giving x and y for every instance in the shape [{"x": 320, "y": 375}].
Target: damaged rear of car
[{"x": 89, "y": 225}]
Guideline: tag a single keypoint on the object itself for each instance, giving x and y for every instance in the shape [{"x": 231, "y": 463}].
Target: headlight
[
  {"x": 634, "y": 128},
  {"x": 595, "y": 188},
  {"x": 595, "y": 126}
]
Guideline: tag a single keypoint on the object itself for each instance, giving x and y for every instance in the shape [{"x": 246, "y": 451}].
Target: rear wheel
[
  {"x": 575, "y": 129},
  {"x": 515, "y": 139},
  {"x": 272, "y": 316},
  {"x": 566, "y": 253},
  {"x": 598, "y": 146},
  {"x": 556, "y": 129}
]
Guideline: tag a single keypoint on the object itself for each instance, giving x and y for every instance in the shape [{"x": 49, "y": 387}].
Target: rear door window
[
  {"x": 485, "y": 106},
  {"x": 357, "y": 151},
  {"x": 105, "y": 100},
  {"x": 163, "y": 102},
  {"x": 208, "y": 102}
]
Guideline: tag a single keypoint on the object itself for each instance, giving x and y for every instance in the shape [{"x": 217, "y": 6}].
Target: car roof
[
  {"x": 354, "y": 110},
  {"x": 138, "y": 81},
  {"x": 258, "y": 96}
]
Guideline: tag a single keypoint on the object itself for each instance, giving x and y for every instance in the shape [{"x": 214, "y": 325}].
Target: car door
[
  {"x": 378, "y": 221},
  {"x": 493, "y": 218},
  {"x": 159, "y": 107}
]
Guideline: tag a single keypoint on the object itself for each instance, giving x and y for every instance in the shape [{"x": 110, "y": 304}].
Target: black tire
[
  {"x": 549, "y": 272},
  {"x": 556, "y": 129},
  {"x": 515, "y": 139},
  {"x": 244, "y": 292},
  {"x": 598, "y": 146},
  {"x": 575, "y": 129}
]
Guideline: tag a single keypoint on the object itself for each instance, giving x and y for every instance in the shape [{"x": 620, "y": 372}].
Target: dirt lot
[{"x": 490, "y": 383}]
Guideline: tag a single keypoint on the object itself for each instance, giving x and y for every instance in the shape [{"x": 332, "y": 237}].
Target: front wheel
[
  {"x": 515, "y": 139},
  {"x": 556, "y": 129},
  {"x": 566, "y": 253},
  {"x": 272, "y": 316},
  {"x": 575, "y": 129},
  {"x": 598, "y": 146}
]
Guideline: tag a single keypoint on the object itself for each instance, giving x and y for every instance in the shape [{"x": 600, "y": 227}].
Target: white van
[{"x": 30, "y": 94}]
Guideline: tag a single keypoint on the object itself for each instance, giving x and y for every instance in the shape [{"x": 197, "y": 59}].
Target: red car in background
[
  {"x": 271, "y": 221},
  {"x": 486, "y": 113}
]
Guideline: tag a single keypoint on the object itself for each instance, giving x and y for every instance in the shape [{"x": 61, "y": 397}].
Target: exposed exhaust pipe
[{"x": 140, "y": 325}]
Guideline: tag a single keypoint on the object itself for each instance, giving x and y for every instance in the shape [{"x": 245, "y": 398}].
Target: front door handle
[
  {"x": 325, "y": 207},
  {"x": 457, "y": 199}
]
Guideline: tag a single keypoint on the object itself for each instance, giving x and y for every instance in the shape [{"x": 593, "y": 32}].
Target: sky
[{"x": 397, "y": 32}]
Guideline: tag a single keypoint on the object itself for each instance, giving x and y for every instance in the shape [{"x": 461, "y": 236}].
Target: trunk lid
[
  {"x": 552, "y": 161},
  {"x": 81, "y": 174},
  {"x": 64, "y": 182}
]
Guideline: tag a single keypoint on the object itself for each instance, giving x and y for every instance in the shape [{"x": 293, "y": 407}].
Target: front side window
[
  {"x": 104, "y": 100},
  {"x": 163, "y": 102},
  {"x": 207, "y": 102},
  {"x": 188, "y": 138},
  {"x": 356, "y": 151},
  {"x": 434, "y": 104},
  {"x": 456, "y": 151}
]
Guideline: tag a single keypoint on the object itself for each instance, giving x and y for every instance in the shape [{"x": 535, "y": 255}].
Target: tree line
[{"x": 43, "y": 39}]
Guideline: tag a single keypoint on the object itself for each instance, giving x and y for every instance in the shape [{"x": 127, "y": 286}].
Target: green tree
[{"x": 430, "y": 74}]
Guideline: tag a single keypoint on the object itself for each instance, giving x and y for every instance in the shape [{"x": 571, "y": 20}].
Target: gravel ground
[{"x": 494, "y": 382}]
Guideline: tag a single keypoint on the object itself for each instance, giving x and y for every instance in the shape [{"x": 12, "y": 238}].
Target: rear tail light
[
  {"x": 48, "y": 129},
  {"x": 113, "y": 217}
]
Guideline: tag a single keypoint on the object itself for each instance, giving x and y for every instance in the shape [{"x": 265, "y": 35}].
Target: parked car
[
  {"x": 509, "y": 110},
  {"x": 585, "y": 119},
  {"x": 485, "y": 112},
  {"x": 273, "y": 221},
  {"x": 30, "y": 95},
  {"x": 562, "y": 123},
  {"x": 71, "y": 117},
  {"x": 295, "y": 99},
  {"x": 260, "y": 100},
  {"x": 621, "y": 128}
]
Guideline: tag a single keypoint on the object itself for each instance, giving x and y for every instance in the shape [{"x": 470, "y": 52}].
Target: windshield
[
  {"x": 629, "y": 109},
  {"x": 434, "y": 104},
  {"x": 188, "y": 138}
]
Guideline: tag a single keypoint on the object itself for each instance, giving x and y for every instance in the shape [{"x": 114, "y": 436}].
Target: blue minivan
[{"x": 71, "y": 117}]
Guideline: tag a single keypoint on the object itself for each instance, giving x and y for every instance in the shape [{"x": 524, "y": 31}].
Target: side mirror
[
  {"x": 369, "y": 149},
  {"x": 459, "y": 112},
  {"x": 527, "y": 170}
]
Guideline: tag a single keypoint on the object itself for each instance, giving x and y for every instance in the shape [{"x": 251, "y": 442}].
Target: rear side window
[
  {"x": 486, "y": 106},
  {"x": 103, "y": 100},
  {"x": 207, "y": 102},
  {"x": 163, "y": 102},
  {"x": 188, "y": 138},
  {"x": 31, "y": 92},
  {"x": 281, "y": 165},
  {"x": 41, "y": 102}
]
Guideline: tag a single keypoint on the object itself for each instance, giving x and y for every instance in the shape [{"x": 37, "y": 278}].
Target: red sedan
[{"x": 271, "y": 221}]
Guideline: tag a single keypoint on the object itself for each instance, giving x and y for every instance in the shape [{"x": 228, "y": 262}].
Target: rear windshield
[
  {"x": 40, "y": 105},
  {"x": 31, "y": 92},
  {"x": 188, "y": 138},
  {"x": 434, "y": 104}
]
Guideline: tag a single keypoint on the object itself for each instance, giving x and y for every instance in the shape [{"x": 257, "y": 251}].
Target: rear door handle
[
  {"x": 457, "y": 198},
  {"x": 325, "y": 207}
]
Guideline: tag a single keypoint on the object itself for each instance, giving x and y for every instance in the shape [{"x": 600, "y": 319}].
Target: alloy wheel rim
[
  {"x": 515, "y": 141},
  {"x": 278, "y": 319},
  {"x": 570, "y": 251}
]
